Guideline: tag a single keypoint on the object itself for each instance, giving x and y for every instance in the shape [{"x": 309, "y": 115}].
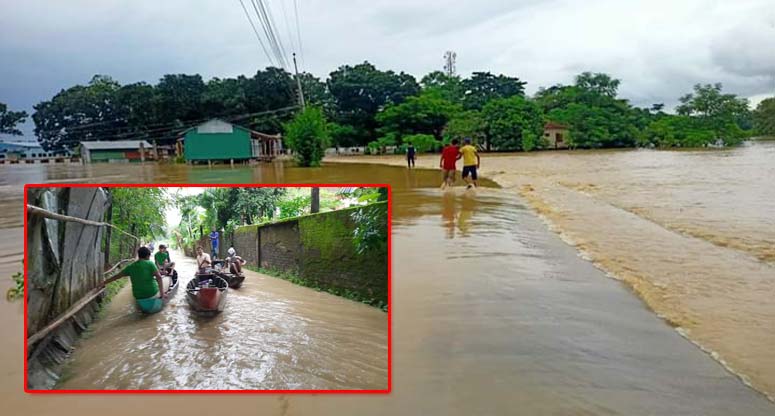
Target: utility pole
[{"x": 298, "y": 83}]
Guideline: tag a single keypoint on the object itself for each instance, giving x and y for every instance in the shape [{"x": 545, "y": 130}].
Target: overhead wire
[
  {"x": 298, "y": 34},
  {"x": 261, "y": 42}
]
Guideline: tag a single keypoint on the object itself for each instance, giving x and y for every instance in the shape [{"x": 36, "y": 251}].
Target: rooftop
[{"x": 118, "y": 144}]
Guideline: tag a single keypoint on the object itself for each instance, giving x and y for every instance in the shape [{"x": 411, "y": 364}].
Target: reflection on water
[
  {"x": 272, "y": 335},
  {"x": 501, "y": 318}
]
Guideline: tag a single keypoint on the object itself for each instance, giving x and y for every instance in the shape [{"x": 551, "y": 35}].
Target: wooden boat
[
  {"x": 206, "y": 293},
  {"x": 221, "y": 269},
  {"x": 153, "y": 305}
]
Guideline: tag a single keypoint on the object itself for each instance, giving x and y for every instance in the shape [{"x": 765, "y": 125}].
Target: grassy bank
[{"x": 334, "y": 291}]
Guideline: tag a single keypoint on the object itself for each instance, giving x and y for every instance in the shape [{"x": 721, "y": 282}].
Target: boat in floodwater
[
  {"x": 153, "y": 305},
  {"x": 222, "y": 269},
  {"x": 206, "y": 293}
]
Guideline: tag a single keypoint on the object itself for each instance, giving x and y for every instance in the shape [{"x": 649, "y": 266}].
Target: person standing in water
[
  {"x": 410, "y": 153},
  {"x": 214, "y": 242},
  {"x": 148, "y": 285},
  {"x": 470, "y": 163},
  {"x": 449, "y": 156}
]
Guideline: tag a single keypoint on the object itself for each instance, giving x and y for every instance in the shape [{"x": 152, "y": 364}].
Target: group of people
[
  {"x": 449, "y": 157},
  {"x": 232, "y": 260},
  {"x": 150, "y": 279}
]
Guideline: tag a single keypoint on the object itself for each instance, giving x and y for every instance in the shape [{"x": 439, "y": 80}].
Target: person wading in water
[
  {"x": 146, "y": 282},
  {"x": 449, "y": 156},
  {"x": 470, "y": 163},
  {"x": 410, "y": 154}
]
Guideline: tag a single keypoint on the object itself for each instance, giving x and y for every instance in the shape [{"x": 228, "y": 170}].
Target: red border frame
[{"x": 211, "y": 185}]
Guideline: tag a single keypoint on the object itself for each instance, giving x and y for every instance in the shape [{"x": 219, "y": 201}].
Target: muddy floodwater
[
  {"x": 492, "y": 312},
  {"x": 272, "y": 335}
]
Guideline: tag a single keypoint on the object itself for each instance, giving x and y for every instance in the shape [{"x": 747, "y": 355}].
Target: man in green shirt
[
  {"x": 146, "y": 281},
  {"x": 162, "y": 259}
]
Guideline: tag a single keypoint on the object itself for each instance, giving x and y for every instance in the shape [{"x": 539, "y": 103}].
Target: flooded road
[
  {"x": 492, "y": 314},
  {"x": 692, "y": 232},
  {"x": 272, "y": 335}
]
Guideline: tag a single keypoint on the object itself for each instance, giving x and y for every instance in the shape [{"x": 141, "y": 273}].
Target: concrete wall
[{"x": 319, "y": 249}]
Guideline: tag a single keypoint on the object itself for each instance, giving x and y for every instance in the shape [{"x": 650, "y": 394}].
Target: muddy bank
[{"x": 690, "y": 231}]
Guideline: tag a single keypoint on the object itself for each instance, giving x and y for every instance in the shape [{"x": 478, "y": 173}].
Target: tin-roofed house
[
  {"x": 116, "y": 151},
  {"x": 218, "y": 140}
]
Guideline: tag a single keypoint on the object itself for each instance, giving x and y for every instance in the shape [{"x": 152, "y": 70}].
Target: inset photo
[{"x": 281, "y": 288}]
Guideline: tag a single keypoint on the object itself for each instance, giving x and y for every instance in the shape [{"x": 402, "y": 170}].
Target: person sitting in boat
[
  {"x": 146, "y": 282},
  {"x": 163, "y": 261},
  {"x": 235, "y": 262},
  {"x": 203, "y": 261}
]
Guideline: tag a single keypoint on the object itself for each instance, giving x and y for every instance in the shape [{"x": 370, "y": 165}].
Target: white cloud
[{"x": 658, "y": 48}]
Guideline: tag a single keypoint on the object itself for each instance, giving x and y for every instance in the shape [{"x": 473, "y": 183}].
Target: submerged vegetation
[{"x": 17, "y": 291}]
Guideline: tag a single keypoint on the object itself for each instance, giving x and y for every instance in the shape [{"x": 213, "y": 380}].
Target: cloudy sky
[{"x": 658, "y": 48}]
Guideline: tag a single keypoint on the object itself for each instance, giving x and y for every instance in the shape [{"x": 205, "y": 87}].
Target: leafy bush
[
  {"x": 371, "y": 230},
  {"x": 422, "y": 142},
  {"x": 17, "y": 291},
  {"x": 308, "y": 136}
]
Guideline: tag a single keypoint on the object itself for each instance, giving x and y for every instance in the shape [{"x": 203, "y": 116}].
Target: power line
[
  {"x": 288, "y": 27},
  {"x": 298, "y": 33},
  {"x": 267, "y": 23},
  {"x": 263, "y": 47}
]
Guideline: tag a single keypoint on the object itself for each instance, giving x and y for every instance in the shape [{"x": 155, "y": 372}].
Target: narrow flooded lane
[{"x": 272, "y": 335}]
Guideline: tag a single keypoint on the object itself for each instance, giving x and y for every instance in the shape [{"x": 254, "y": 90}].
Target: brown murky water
[
  {"x": 273, "y": 335},
  {"x": 492, "y": 314},
  {"x": 692, "y": 232}
]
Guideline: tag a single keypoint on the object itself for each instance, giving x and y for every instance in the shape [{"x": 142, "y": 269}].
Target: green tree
[
  {"x": 421, "y": 142},
  {"x": 80, "y": 113},
  {"x": 179, "y": 97},
  {"x": 726, "y": 114},
  {"x": 9, "y": 120},
  {"x": 595, "y": 116},
  {"x": 448, "y": 87},
  {"x": 426, "y": 113},
  {"x": 513, "y": 123},
  {"x": 138, "y": 211},
  {"x": 465, "y": 124},
  {"x": 483, "y": 87},
  {"x": 308, "y": 136},
  {"x": 764, "y": 117},
  {"x": 677, "y": 131},
  {"x": 359, "y": 92}
]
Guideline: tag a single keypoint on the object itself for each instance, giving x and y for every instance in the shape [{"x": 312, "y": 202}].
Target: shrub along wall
[{"x": 319, "y": 250}]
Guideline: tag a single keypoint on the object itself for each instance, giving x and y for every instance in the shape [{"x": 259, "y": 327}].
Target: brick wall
[{"x": 318, "y": 248}]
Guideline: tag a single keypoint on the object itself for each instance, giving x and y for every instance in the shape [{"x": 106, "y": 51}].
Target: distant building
[
  {"x": 556, "y": 135},
  {"x": 218, "y": 140},
  {"x": 116, "y": 151},
  {"x": 28, "y": 151}
]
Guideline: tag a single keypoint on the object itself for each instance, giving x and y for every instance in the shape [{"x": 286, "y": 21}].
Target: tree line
[{"x": 361, "y": 105}]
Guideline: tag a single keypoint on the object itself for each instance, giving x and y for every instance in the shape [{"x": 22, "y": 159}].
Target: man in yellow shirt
[{"x": 470, "y": 162}]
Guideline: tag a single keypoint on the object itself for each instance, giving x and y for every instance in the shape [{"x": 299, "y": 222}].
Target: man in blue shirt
[{"x": 214, "y": 242}]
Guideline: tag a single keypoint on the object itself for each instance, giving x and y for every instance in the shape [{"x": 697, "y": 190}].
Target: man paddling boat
[{"x": 146, "y": 282}]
